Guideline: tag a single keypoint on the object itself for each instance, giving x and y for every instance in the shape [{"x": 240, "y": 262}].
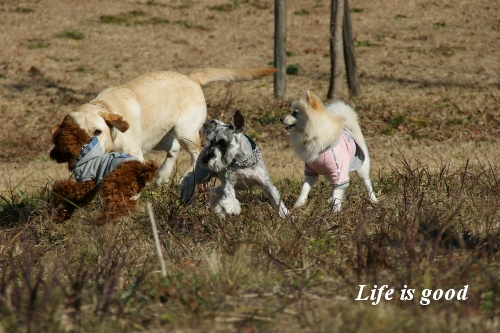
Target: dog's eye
[
  {"x": 295, "y": 113},
  {"x": 97, "y": 132}
]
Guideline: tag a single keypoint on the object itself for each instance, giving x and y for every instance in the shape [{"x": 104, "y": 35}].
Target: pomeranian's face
[
  {"x": 301, "y": 110},
  {"x": 291, "y": 120},
  {"x": 299, "y": 113}
]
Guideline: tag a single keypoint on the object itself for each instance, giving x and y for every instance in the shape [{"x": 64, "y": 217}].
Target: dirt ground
[{"x": 429, "y": 70}]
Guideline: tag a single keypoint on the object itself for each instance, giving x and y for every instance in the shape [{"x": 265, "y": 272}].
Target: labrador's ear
[
  {"x": 238, "y": 122},
  {"x": 115, "y": 120}
]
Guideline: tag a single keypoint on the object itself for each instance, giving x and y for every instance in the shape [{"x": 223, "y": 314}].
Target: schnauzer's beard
[{"x": 217, "y": 161}]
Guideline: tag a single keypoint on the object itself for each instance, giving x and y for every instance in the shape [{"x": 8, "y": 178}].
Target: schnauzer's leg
[
  {"x": 274, "y": 195},
  {"x": 364, "y": 173},
  {"x": 309, "y": 182},
  {"x": 336, "y": 199},
  {"x": 224, "y": 202},
  {"x": 67, "y": 195}
]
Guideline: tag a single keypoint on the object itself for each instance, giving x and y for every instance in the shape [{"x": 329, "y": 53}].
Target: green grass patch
[
  {"x": 447, "y": 51},
  {"x": 228, "y": 7},
  {"x": 302, "y": 12},
  {"x": 394, "y": 123},
  {"x": 292, "y": 69},
  {"x": 221, "y": 8},
  {"x": 122, "y": 18},
  {"x": 364, "y": 43},
  {"x": 439, "y": 25},
  {"x": 37, "y": 43},
  {"x": 83, "y": 69},
  {"x": 24, "y": 10},
  {"x": 71, "y": 34}
]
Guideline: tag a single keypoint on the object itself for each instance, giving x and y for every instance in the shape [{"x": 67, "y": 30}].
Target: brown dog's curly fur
[{"x": 118, "y": 189}]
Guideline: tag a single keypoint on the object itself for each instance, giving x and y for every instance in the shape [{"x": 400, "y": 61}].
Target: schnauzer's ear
[
  {"x": 237, "y": 122},
  {"x": 208, "y": 129},
  {"x": 115, "y": 120}
]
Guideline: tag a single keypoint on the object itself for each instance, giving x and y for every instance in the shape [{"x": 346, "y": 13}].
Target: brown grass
[{"x": 430, "y": 112}]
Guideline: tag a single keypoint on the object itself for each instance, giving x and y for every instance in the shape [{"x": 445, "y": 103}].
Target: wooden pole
[
  {"x": 280, "y": 47},
  {"x": 336, "y": 51},
  {"x": 349, "y": 53}
]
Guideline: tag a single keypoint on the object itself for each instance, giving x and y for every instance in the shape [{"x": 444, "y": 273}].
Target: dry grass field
[{"x": 430, "y": 110}]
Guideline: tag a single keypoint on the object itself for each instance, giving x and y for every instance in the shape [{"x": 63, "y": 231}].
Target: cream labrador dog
[{"x": 157, "y": 111}]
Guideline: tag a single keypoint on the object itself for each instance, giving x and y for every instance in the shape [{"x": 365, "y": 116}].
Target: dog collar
[
  {"x": 255, "y": 153},
  {"x": 88, "y": 147}
]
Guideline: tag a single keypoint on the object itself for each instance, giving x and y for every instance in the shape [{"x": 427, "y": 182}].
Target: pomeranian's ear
[{"x": 311, "y": 100}]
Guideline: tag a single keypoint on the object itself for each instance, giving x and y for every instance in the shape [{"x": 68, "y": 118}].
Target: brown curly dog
[{"x": 117, "y": 177}]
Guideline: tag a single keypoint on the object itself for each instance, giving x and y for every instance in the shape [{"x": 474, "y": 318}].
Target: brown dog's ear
[
  {"x": 311, "y": 100},
  {"x": 115, "y": 120},
  {"x": 53, "y": 129},
  {"x": 238, "y": 122}
]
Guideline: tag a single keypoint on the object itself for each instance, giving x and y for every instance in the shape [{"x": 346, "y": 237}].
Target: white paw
[
  {"x": 336, "y": 208},
  {"x": 158, "y": 182},
  {"x": 299, "y": 203},
  {"x": 283, "y": 212},
  {"x": 235, "y": 210}
]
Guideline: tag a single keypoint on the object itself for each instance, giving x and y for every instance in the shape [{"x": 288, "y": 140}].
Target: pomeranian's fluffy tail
[{"x": 350, "y": 116}]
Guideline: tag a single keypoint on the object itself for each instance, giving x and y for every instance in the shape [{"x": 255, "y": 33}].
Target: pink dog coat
[{"x": 336, "y": 161}]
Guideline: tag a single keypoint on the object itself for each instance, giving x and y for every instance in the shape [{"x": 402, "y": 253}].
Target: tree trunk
[
  {"x": 336, "y": 51},
  {"x": 280, "y": 47},
  {"x": 349, "y": 53}
]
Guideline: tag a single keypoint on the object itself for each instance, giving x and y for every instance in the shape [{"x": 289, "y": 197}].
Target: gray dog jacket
[{"x": 93, "y": 164}]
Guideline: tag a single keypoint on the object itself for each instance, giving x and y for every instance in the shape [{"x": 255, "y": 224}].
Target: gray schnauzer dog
[{"x": 236, "y": 161}]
